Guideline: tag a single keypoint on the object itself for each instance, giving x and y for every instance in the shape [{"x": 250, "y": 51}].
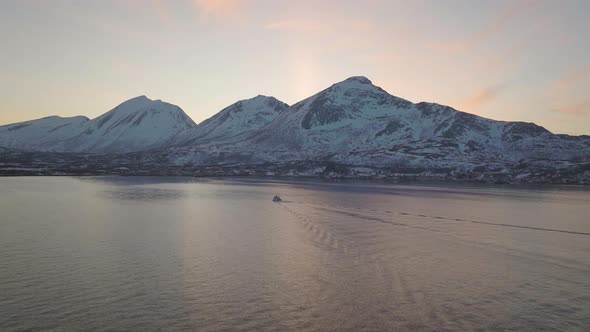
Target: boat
[{"x": 277, "y": 198}]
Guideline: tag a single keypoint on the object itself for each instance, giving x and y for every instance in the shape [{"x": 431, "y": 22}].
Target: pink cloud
[
  {"x": 574, "y": 108},
  {"x": 298, "y": 25},
  {"x": 573, "y": 77},
  {"x": 565, "y": 92},
  {"x": 225, "y": 9},
  {"x": 500, "y": 22},
  {"x": 161, "y": 10},
  {"x": 326, "y": 24},
  {"x": 479, "y": 98}
]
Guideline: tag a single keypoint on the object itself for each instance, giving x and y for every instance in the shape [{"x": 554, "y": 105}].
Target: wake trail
[
  {"x": 442, "y": 218},
  {"x": 356, "y": 215},
  {"x": 379, "y": 264}
]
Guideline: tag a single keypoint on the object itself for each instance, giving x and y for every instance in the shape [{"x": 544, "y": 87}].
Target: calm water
[{"x": 145, "y": 254}]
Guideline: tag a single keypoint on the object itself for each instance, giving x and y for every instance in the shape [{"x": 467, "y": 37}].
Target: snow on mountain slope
[
  {"x": 137, "y": 124},
  {"x": 40, "y": 134},
  {"x": 334, "y": 117},
  {"x": 234, "y": 120},
  {"x": 360, "y": 122},
  {"x": 356, "y": 122},
  {"x": 350, "y": 123}
]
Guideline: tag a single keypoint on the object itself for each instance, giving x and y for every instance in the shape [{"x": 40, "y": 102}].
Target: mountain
[
  {"x": 357, "y": 123},
  {"x": 137, "y": 124},
  {"x": 234, "y": 120},
  {"x": 40, "y": 134},
  {"x": 352, "y": 128}
]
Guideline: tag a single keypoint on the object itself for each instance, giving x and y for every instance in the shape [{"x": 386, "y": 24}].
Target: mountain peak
[
  {"x": 143, "y": 100},
  {"x": 262, "y": 97},
  {"x": 236, "y": 119},
  {"x": 359, "y": 79},
  {"x": 141, "y": 103},
  {"x": 255, "y": 104},
  {"x": 133, "y": 104},
  {"x": 142, "y": 97}
]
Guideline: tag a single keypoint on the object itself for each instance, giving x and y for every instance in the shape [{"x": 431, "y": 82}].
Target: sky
[{"x": 518, "y": 60}]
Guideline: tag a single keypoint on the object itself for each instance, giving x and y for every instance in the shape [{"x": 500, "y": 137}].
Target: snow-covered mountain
[
  {"x": 234, "y": 120},
  {"x": 135, "y": 125},
  {"x": 357, "y": 123},
  {"x": 40, "y": 134},
  {"x": 353, "y": 124}
]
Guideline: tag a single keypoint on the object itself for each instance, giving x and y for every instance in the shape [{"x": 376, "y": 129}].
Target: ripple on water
[{"x": 150, "y": 254}]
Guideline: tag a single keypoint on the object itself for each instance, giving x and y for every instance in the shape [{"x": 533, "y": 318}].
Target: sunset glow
[{"x": 506, "y": 60}]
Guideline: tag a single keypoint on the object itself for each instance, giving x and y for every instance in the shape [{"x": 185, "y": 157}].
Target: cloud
[
  {"x": 315, "y": 25},
  {"x": 573, "y": 77},
  {"x": 115, "y": 26},
  {"x": 225, "y": 9},
  {"x": 479, "y": 98},
  {"x": 499, "y": 22},
  {"x": 311, "y": 34},
  {"x": 574, "y": 108},
  {"x": 569, "y": 92},
  {"x": 161, "y": 10},
  {"x": 298, "y": 25}
]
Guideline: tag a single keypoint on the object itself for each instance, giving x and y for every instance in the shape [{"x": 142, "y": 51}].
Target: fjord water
[{"x": 145, "y": 254}]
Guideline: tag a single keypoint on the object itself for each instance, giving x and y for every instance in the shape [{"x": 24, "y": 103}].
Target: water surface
[{"x": 145, "y": 254}]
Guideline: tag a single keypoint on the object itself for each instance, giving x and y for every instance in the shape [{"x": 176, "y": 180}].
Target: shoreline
[{"x": 394, "y": 180}]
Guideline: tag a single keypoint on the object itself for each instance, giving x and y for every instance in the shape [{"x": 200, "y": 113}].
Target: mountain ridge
[
  {"x": 352, "y": 122},
  {"x": 134, "y": 125},
  {"x": 235, "y": 119}
]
